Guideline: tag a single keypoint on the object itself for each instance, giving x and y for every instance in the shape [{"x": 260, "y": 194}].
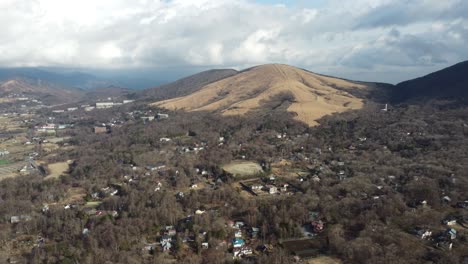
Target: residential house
[
  {"x": 317, "y": 226},
  {"x": 284, "y": 187},
  {"x": 451, "y": 233},
  {"x": 160, "y": 116},
  {"x": 238, "y": 234},
  {"x": 241, "y": 252},
  {"x": 272, "y": 189},
  {"x": 256, "y": 187},
  {"x": 239, "y": 224},
  {"x": 147, "y": 118},
  {"x": 254, "y": 231},
  {"x": 450, "y": 221},
  {"x": 14, "y": 219},
  {"x": 170, "y": 231},
  {"x": 166, "y": 243},
  {"x": 446, "y": 199},
  {"x": 422, "y": 233},
  {"x": 238, "y": 242},
  {"x": 47, "y": 128}
]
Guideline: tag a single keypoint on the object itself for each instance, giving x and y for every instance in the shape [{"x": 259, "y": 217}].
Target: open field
[
  {"x": 49, "y": 147},
  {"x": 56, "y": 169},
  {"x": 243, "y": 168},
  {"x": 58, "y": 139},
  {"x": 10, "y": 124}
]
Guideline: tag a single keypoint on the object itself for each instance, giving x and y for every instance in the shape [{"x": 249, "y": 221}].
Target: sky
[{"x": 369, "y": 40}]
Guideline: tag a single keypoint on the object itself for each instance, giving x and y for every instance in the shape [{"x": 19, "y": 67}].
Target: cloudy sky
[{"x": 380, "y": 40}]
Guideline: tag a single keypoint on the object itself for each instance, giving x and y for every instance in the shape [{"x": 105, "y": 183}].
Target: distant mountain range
[
  {"x": 72, "y": 79},
  {"x": 52, "y": 93},
  {"x": 307, "y": 95}
]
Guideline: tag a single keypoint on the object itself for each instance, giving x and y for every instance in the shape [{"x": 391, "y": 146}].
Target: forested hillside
[{"x": 373, "y": 178}]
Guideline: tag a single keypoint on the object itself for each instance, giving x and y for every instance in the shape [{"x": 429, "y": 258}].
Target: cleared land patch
[
  {"x": 243, "y": 168},
  {"x": 56, "y": 169}
]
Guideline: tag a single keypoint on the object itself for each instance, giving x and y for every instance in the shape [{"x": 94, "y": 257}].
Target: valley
[{"x": 273, "y": 164}]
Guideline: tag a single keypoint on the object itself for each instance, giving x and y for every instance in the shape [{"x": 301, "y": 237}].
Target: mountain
[
  {"x": 311, "y": 96},
  {"x": 187, "y": 85},
  {"x": 63, "y": 77},
  {"x": 451, "y": 82},
  {"x": 49, "y": 93}
]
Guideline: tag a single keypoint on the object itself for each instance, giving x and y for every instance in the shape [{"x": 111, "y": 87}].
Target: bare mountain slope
[
  {"x": 187, "y": 85},
  {"x": 314, "y": 95}
]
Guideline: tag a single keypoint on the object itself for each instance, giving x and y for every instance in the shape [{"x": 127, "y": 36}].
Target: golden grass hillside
[{"x": 314, "y": 95}]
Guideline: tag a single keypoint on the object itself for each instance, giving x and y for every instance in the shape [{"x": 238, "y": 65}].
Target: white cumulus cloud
[{"x": 354, "y": 39}]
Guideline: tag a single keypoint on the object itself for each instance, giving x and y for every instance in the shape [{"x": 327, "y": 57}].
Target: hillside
[
  {"x": 450, "y": 82},
  {"x": 187, "y": 85},
  {"x": 314, "y": 96},
  {"x": 49, "y": 93}
]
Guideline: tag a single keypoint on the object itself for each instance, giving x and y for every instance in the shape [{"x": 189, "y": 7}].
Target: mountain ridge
[
  {"x": 187, "y": 85},
  {"x": 314, "y": 95}
]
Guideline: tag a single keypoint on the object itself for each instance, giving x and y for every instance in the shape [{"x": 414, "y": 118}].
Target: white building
[{"x": 104, "y": 105}]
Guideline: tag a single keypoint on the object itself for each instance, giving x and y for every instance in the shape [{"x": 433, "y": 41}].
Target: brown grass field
[{"x": 314, "y": 95}]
